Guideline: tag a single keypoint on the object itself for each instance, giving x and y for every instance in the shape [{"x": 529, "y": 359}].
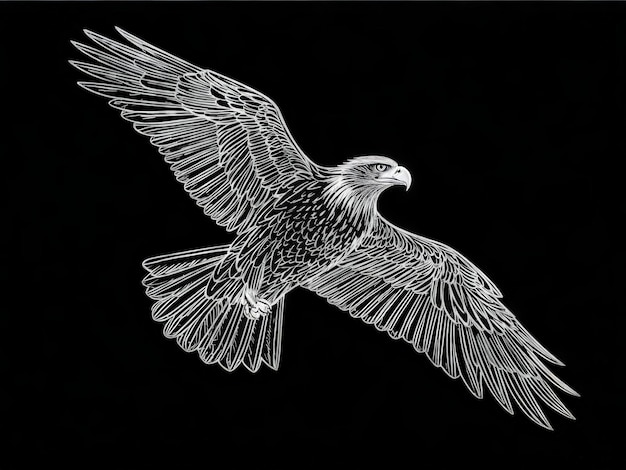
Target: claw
[
  {"x": 252, "y": 313},
  {"x": 255, "y": 308},
  {"x": 263, "y": 306}
]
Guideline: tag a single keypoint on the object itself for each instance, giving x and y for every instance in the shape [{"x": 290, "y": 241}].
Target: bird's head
[{"x": 373, "y": 173}]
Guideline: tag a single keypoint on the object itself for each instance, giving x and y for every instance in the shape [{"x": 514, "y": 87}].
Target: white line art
[{"x": 297, "y": 223}]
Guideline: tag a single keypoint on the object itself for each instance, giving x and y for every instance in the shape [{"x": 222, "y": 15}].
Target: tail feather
[
  {"x": 171, "y": 275},
  {"x": 240, "y": 344},
  {"x": 163, "y": 265},
  {"x": 252, "y": 360},
  {"x": 190, "y": 338},
  {"x": 272, "y": 347},
  {"x": 217, "y": 328}
]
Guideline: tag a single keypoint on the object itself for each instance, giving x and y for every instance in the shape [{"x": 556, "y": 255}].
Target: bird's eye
[{"x": 381, "y": 167}]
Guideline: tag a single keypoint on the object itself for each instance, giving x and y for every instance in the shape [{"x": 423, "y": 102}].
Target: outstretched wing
[
  {"x": 434, "y": 298},
  {"x": 227, "y": 143}
]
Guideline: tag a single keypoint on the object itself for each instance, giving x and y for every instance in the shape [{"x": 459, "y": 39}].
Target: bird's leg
[{"x": 255, "y": 307}]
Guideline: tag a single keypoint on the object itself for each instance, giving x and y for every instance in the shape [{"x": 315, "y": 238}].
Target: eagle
[{"x": 300, "y": 224}]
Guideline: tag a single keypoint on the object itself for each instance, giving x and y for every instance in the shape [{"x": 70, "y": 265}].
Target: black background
[{"x": 511, "y": 118}]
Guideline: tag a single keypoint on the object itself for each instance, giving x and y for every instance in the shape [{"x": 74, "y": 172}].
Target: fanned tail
[{"x": 217, "y": 329}]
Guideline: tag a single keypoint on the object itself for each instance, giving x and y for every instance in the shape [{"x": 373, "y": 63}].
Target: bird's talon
[
  {"x": 255, "y": 308},
  {"x": 263, "y": 306}
]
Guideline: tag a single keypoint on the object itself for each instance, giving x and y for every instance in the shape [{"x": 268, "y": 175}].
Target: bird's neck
[{"x": 355, "y": 200}]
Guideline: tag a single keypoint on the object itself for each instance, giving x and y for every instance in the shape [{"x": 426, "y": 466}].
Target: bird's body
[
  {"x": 299, "y": 224},
  {"x": 306, "y": 230}
]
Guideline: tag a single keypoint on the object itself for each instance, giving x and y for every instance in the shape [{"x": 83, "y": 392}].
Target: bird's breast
[
  {"x": 303, "y": 234},
  {"x": 315, "y": 230}
]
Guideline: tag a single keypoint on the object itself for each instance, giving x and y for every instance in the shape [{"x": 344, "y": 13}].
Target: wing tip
[
  {"x": 567, "y": 414},
  {"x": 554, "y": 360},
  {"x": 95, "y": 37},
  {"x": 77, "y": 45},
  {"x": 560, "y": 384},
  {"x": 538, "y": 417},
  {"x": 91, "y": 87},
  {"x": 83, "y": 67},
  {"x": 126, "y": 35}
]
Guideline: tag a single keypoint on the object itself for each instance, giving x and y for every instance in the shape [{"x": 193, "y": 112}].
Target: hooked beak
[{"x": 402, "y": 177}]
